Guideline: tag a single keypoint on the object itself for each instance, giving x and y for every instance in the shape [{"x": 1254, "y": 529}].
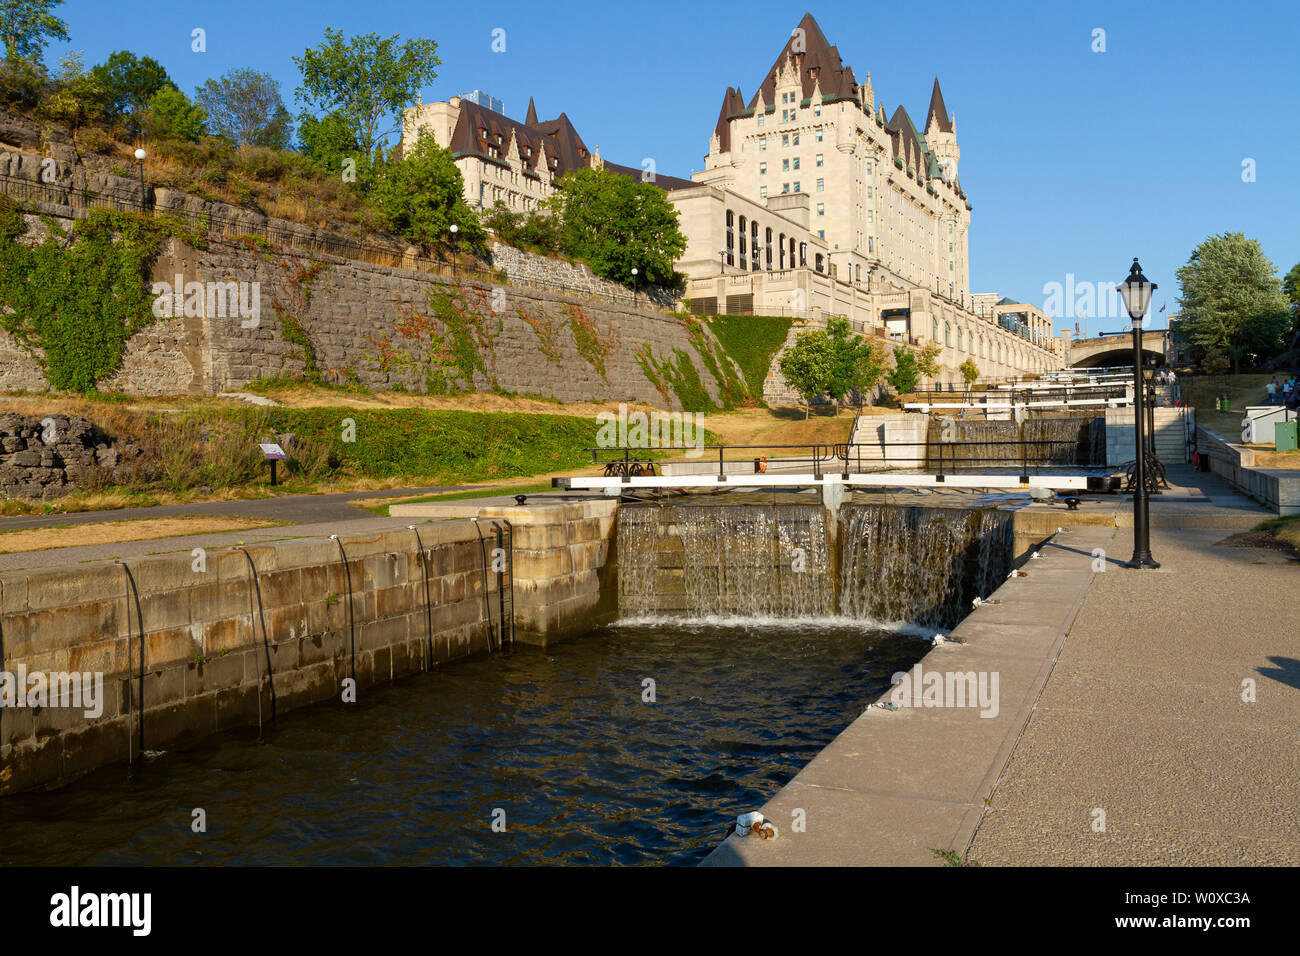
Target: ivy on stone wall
[
  {"x": 592, "y": 346},
  {"x": 77, "y": 296},
  {"x": 445, "y": 345}
]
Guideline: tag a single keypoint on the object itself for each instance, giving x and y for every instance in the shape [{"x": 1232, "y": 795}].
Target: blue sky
[{"x": 1075, "y": 161}]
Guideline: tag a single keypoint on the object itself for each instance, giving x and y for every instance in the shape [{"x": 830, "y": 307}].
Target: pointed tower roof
[
  {"x": 531, "y": 118},
  {"x": 938, "y": 115},
  {"x": 816, "y": 62},
  {"x": 733, "y": 103}
]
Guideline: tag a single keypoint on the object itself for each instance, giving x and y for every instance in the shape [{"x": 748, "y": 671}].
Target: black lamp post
[
  {"x": 1136, "y": 290},
  {"x": 722, "y": 262},
  {"x": 454, "y": 230},
  {"x": 634, "y": 288}
]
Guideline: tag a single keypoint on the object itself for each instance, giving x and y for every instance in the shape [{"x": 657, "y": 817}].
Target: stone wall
[
  {"x": 346, "y": 305},
  {"x": 205, "y": 665},
  {"x": 48, "y": 457}
]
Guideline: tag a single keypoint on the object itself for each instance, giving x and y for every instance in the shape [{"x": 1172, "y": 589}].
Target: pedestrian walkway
[{"x": 1141, "y": 749}]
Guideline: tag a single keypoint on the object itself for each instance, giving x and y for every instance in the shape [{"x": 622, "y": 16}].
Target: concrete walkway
[{"x": 1143, "y": 719}]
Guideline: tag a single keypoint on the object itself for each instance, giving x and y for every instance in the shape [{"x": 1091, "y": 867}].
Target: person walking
[{"x": 1271, "y": 389}]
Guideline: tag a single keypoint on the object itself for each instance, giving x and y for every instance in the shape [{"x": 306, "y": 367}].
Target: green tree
[
  {"x": 23, "y": 82},
  {"x": 808, "y": 366},
  {"x": 1231, "y": 299},
  {"x": 171, "y": 115},
  {"x": 536, "y": 230},
  {"x": 328, "y": 142},
  {"x": 969, "y": 371},
  {"x": 422, "y": 194},
  {"x": 615, "y": 223},
  {"x": 365, "y": 81},
  {"x": 1291, "y": 285},
  {"x": 78, "y": 96},
  {"x": 26, "y": 26},
  {"x": 1215, "y": 362},
  {"x": 245, "y": 107},
  {"x": 129, "y": 83},
  {"x": 906, "y": 371}
]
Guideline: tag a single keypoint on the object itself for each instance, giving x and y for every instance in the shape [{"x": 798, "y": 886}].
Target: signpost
[{"x": 272, "y": 453}]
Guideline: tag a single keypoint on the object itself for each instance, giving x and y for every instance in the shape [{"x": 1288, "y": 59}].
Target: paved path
[
  {"x": 1143, "y": 719},
  {"x": 333, "y": 507}
]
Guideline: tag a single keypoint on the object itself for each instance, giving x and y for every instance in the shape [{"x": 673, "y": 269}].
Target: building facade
[{"x": 813, "y": 201}]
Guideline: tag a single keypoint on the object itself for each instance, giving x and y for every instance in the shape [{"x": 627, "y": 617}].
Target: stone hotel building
[{"x": 814, "y": 200}]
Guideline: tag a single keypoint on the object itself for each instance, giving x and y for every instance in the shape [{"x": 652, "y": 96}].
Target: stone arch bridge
[{"x": 1113, "y": 350}]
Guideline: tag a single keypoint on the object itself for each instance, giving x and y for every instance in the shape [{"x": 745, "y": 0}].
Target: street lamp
[
  {"x": 454, "y": 229},
  {"x": 139, "y": 158},
  {"x": 634, "y": 275},
  {"x": 722, "y": 261},
  {"x": 1136, "y": 290}
]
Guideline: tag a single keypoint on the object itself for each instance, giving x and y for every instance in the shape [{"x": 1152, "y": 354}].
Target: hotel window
[
  {"x": 803, "y": 254},
  {"x": 785, "y": 139},
  {"x": 785, "y": 187},
  {"x": 785, "y": 165},
  {"x": 819, "y": 136},
  {"x": 796, "y": 187},
  {"x": 821, "y": 209},
  {"x": 762, "y": 192},
  {"x": 871, "y": 244},
  {"x": 817, "y": 111},
  {"x": 785, "y": 116},
  {"x": 796, "y": 139},
  {"x": 753, "y": 244},
  {"x": 871, "y": 215},
  {"x": 742, "y": 242},
  {"x": 819, "y": 159},
  {"x": 731, "y": 238},
  {"x": 762, "y": 169},
  {"x": 780, "y": 245},
  {"x": 868, "y": 169},
  {"x": 762, "y": 144},
  {"x": 868, "y": 192},
  {"x": 760, "y": 119},
  {"x": 821, "y": 185},
  {"x": 767, "y": 246},
  {"x": 796, "y": 162},
  {"x": 821, "y": 234}
]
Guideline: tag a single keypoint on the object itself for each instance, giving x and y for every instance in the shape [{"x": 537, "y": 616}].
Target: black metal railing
[{"x": 941, "y": 458}]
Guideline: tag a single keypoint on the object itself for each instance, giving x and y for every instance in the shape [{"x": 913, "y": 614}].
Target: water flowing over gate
[{"x": 884, "y": 563}]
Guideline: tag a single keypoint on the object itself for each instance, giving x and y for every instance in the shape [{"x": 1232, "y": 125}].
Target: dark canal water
[{"x": 560, "y": 740}]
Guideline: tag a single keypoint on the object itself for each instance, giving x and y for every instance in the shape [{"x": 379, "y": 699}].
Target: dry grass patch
[{"x": 113, "y": 532}]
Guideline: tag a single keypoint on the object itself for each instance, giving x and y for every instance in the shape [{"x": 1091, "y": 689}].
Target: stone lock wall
[{"x": 203, "y": 649}]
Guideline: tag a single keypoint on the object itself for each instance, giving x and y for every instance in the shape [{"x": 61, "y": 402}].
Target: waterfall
[
  {"x": 895, "y": 563},
  {"x": 920, "y": 565}
]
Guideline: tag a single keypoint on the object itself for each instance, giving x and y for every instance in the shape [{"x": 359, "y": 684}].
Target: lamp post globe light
[
  {"x": 454, "y": 229},
  {"x": 722, "y": 261},
  {"x": 139, "y": 158},
  {"x": 634, "y": 286},
  {"x": 1136, "y": 291}
]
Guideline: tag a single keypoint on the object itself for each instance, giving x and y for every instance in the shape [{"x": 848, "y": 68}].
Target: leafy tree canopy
[
  {"x": 245, "y": 107},
  {"x": 833, "y": 362},
  {"x": 171, "y": 115},
  {"x": 421, "y": 195},
  {"x": 905, "y": 373},
  {"x": 328, "y": 142},
  {"x": 616, "y": 224},
  {"x": 365, "y": 81},
  {"x": 26, "y": 26},
  {"x": 1231, "y": 299},
  {"x": 78, "y": 96},
  {"x": 130, "y": 82}
]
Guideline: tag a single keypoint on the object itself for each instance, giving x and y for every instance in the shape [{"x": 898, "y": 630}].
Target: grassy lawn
[
  {"x": 1242, "y": 390},
  {"x": 1285, "y": 529}
]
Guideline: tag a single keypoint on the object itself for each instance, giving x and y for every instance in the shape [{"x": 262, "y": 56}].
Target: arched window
[
  {"x": 934, "y": 331},
  {"x": 731, "y": 238},
  {"x": 743, "y": 258},
  {"x": 947, "y": 335},
  {"x": 767, "y": 248}
]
